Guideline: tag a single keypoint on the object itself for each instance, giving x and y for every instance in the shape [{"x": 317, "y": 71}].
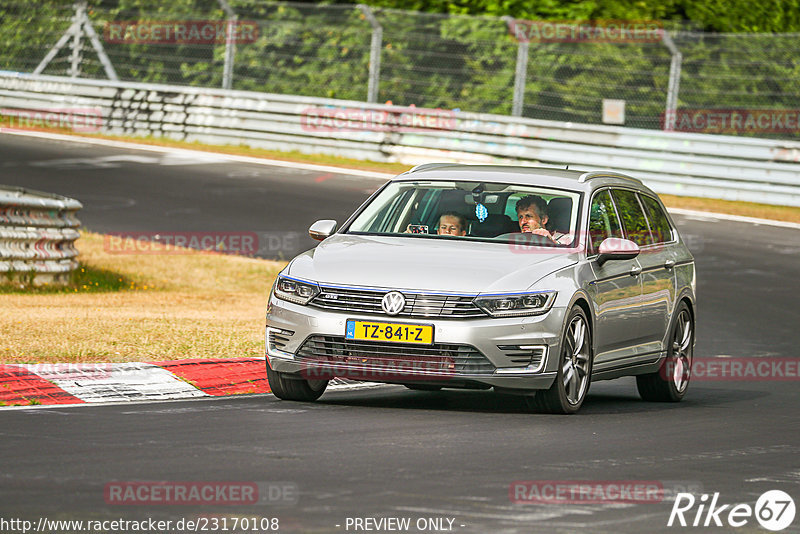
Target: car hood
[{"x": 415, "y": 263}]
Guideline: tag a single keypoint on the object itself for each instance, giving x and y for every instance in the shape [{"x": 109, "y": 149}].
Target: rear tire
[
  {"x": 671, "y": 381},
  {"x": 294, "y": 389},
  {"x": 569, "y": 389}
]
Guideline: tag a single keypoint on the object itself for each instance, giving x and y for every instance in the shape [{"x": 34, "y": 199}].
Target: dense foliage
[
  {"x": 764, "y": 16},
  {"x": 465, "y": 59}
]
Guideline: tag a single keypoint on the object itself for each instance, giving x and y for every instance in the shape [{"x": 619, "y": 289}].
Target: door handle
[
  {"x": 669, "y": 264},
  {"x": 636, "y": 270}
]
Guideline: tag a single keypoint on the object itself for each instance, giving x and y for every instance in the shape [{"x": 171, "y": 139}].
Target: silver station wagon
[{"x": 532, "y": 281}]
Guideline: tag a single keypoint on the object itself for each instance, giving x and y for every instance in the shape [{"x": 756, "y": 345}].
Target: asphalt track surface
[{"x": 387, "y": 451}]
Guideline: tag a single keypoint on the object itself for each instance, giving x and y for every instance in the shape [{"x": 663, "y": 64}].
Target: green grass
[{"x": 84, "y": 279}]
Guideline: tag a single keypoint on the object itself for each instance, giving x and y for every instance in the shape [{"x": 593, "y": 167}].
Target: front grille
[
  {"x": 417, "y": 304},
  {"x": 439, "y": 358}
]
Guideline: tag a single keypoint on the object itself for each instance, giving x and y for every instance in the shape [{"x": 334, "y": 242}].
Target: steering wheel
[{"x": 527, "y": 238}]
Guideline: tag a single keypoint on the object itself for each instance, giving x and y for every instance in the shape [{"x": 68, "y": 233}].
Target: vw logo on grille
[{"x": 393, "y": 302}]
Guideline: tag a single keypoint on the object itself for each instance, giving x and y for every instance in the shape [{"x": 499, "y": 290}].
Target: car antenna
[{"x": 566, "y": 167}]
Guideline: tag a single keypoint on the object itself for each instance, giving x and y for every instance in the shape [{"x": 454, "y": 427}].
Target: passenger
[{"x": 450, "y": 223}]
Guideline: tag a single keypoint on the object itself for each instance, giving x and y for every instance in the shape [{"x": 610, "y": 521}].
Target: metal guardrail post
[
  {"x": 230, "y": 52},
  {"x": 674, "y": 82},
  {"x": 374, "y": 53},
  {"x": 37, "y": 236},
  {"x": 520, "y": 75},
  {"x": 230, "y": 45},
  {"x": 74, "y": 28},
  {"x": 98, "y": 47},
  {"x": 80, "y": 24},
  {"x": 76, "y": 56},
  {"x": 521, "y": 70}
]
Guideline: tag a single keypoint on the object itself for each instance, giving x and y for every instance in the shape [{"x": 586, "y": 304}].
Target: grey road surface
[{"x": 387, "y": 452}]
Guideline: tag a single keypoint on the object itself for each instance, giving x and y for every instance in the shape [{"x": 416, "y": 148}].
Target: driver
[{"x": 532, "y": 217}]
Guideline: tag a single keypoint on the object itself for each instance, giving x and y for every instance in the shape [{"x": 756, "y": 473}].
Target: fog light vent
[
  {"x": 529, "y": 356},
  {"x": 277, "y": 340}
]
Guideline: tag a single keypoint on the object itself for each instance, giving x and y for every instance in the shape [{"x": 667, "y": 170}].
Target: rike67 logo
[{"x": 774, "y": 510}]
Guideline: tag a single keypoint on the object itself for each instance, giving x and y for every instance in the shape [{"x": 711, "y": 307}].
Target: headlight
[
  {"x": 516, "y": 304},
  {"x": 295, "y": 291}
]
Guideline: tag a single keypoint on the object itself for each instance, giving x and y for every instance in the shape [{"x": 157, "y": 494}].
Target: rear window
[
  {"x": 633, "y": 219},
  {"x": 659, "y": 223}
]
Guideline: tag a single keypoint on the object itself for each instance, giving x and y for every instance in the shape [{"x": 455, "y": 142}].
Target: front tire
[
  {"x": 569, "y": 389},
  {"x": 294, "y": 389},
  {"x": 671, "y": 381}
]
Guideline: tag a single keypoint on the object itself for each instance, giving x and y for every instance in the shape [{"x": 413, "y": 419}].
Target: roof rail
[
  {"x": 606, "y": 174},
  {"x": 426, "y": 166}
]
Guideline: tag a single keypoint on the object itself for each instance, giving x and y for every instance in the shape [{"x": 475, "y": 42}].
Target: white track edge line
[
  {"x": 734, "y": 218},
  {"x": 340, "y": 170},
  {"x": 188, "y": 151},
  {"x": 335, "y": 388}
]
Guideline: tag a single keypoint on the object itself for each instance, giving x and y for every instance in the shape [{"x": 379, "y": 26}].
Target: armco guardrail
[
  {"x": 690, "y": 164},
  {"x": 37, "y": 236}
]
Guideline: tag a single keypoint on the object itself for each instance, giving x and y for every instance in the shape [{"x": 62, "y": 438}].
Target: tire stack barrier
[{"x": 37, "y": 237}]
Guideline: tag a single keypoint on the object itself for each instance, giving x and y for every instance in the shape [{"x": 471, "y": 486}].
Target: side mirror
[
  {"x": 322, "y": 229},
  {"x": 615, "y": 248}
]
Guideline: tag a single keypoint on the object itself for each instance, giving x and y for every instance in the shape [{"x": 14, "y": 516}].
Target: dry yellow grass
[
  {"x": 193, "y": 305},
  {"x": 746, "y": 209}
]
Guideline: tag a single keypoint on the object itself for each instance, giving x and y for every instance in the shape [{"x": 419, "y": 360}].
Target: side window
[
  {"x": 633, "y": 218},
  {"x": 603, "y": 221},
  {"x": 511, "y": 206},
  {"x": 387, "y": 217},
  {"x": 425, "y": 208},
  {"x": 659, "y": 224}
]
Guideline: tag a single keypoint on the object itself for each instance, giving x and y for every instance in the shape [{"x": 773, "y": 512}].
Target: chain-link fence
[{"x": 483, "y": 64}]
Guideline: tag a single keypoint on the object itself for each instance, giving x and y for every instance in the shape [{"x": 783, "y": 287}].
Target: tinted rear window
[
  {"x": 633, "y": 219},
  {"x": 659, "y": 224}
]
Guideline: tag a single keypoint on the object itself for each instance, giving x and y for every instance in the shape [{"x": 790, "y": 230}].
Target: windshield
[{"x": 472, "y": 210}]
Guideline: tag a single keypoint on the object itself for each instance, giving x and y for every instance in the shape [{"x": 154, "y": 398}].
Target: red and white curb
[{"x": 78, "y": 383}]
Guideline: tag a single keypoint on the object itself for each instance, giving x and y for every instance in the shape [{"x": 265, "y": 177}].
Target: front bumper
[{"x": 499, "y": 341}]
